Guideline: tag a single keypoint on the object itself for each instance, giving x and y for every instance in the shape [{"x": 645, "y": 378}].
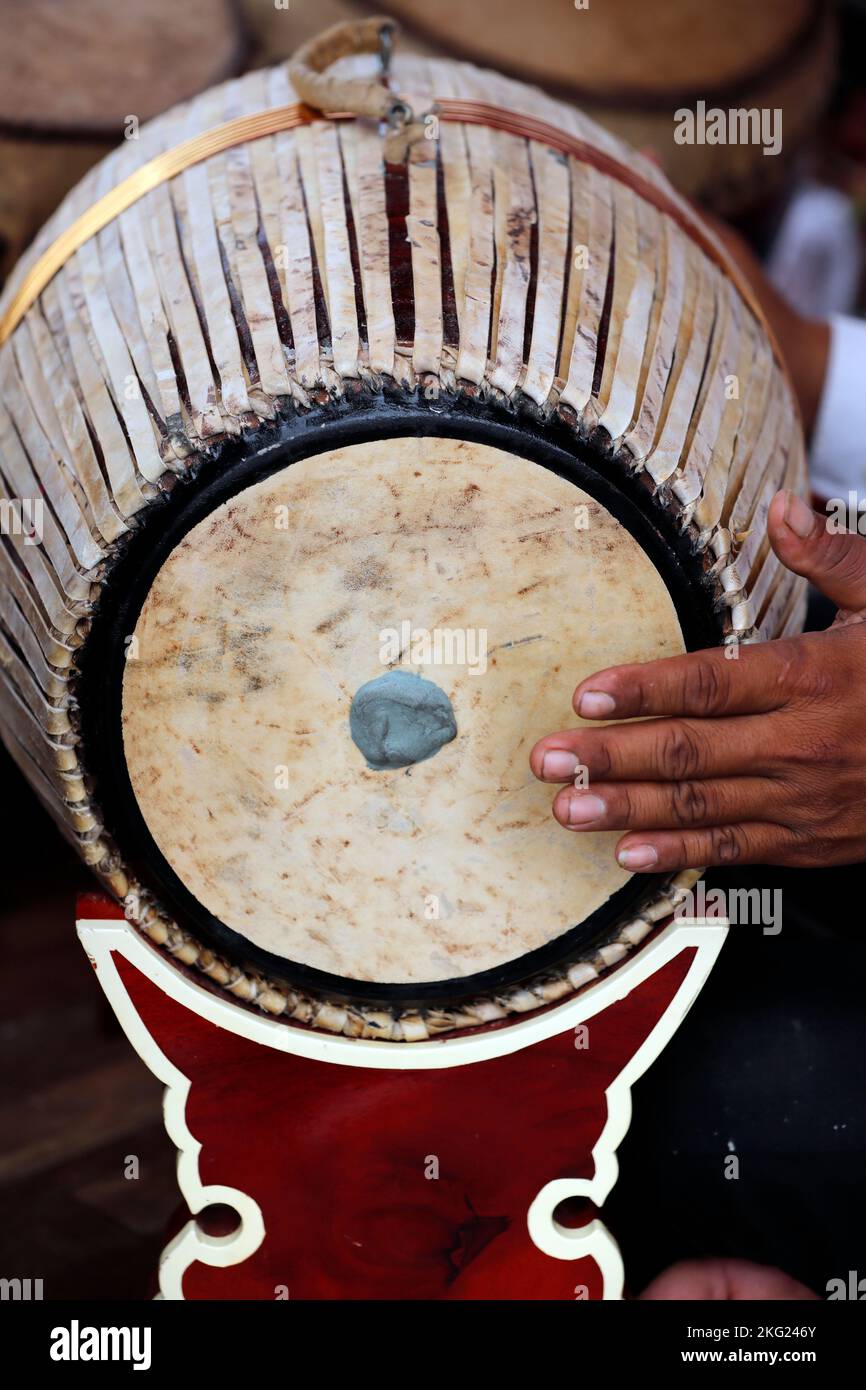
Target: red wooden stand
[{"x": 356, "y": 1174}]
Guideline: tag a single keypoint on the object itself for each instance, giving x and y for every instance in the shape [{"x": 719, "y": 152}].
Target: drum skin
[{"x": 538, "y": 298}]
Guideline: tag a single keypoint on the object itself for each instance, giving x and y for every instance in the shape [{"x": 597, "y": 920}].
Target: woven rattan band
[{"x": 242, "y": 129}]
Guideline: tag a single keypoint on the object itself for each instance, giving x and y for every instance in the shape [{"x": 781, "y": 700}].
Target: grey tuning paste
[{"x": 399, "y": 719}]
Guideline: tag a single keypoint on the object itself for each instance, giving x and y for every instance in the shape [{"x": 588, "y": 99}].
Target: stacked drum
[{"x": 368, "y": 370}]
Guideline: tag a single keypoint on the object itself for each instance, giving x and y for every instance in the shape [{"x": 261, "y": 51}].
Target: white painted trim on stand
[
  {"x": 102, "y": 937},
  {"x": 594, "y": 1240}
]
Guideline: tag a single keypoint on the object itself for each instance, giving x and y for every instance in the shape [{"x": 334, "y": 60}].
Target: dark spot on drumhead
[
  {"x": 369, "y": 574},
  {"x": 327, "y": 624}
]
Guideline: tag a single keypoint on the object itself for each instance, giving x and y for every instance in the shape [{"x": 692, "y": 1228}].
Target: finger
[
  {"x": 667, "y": 805},
  {"x": 834, "y": 561},
  {"x": 657, "y": 750},
  {"x": 665, "y": 851},
  {"x": 720, "y": 1280},
  {"x": 697, "y": 684}
]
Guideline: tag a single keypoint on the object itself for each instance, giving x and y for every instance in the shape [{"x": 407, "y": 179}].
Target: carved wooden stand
[{"x": 372, "y": 1170}]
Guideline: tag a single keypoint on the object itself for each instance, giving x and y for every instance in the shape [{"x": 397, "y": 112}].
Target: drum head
[{"x": 493, "y": 573}]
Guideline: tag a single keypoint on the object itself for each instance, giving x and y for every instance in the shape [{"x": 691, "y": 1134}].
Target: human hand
[{"x": 761, "y": 759}]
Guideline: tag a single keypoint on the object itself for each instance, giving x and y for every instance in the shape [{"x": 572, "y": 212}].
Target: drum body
[{"x": 293, "y": 418}]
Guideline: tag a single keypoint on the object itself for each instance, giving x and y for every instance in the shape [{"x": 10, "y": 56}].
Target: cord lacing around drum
[{"x": 411, "y": 1025}]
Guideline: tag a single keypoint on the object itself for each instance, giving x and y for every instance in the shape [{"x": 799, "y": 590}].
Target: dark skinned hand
[{"x": 761, "y": 759}]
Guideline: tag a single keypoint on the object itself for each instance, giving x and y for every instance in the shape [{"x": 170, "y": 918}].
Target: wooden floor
[{"x": 76, "y": 1104}]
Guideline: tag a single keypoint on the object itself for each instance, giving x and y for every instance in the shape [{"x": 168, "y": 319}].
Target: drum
[
  {"x": 346, "y": 425},
  {"x": 66, "y": 101},
  {"x": 634, "y": 67}
]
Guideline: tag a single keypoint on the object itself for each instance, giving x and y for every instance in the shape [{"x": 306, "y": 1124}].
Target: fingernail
[
  {"x": 798, "y": 517},
  {"x": 638, "y": 857},
  {"x": 596, "y": 704},
  {"x": 558, "y": 766},
  {"x": 585, "y": 808}
]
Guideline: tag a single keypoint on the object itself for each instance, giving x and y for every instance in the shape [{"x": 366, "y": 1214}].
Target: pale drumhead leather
[{"x": 253, "y": 640}]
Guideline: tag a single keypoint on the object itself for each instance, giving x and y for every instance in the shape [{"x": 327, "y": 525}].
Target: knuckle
[
  {"x": 707, "y": 685},
  {"x": 680, "y": 753},
  {"x": 600, "y": 758},
  {"x": 829, "y": 751},
  {"x": 690, "y": 803},
  {"x": 789, "y": 660},
  {"x": 684, "y": 851},
  {"x": 807, "y": 836},
  {"x": 728, "y": 844},
  {"x": 805, "y": 847},
  {"x": 626, "y": 810},
  {"x": 844, "y": 557},
  {"x": 816, "y": 682},
  {"x": 823, "y": 748},
  {"x": 823, "y": 816},
  {"x": 810, "y": 678},
  {"x": 789, "y": 856}
]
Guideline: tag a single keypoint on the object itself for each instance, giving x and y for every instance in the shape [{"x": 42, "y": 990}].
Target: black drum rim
[{"x": 236, "y": 465}]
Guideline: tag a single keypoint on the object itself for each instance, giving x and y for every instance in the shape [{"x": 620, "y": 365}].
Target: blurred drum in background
[
  {"x": 633, "y": 66},
  {"x": 78, "y": 76},
  {"x": 343, "y": 447}
]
